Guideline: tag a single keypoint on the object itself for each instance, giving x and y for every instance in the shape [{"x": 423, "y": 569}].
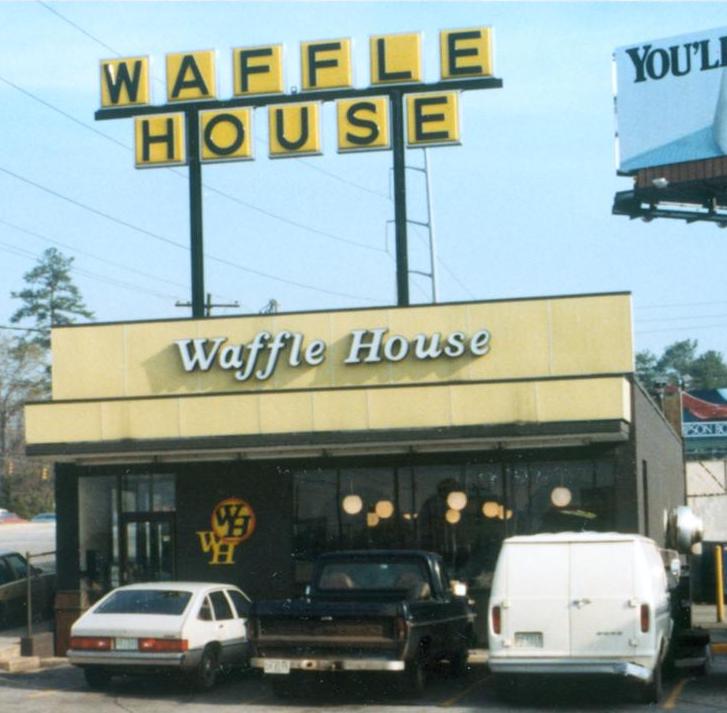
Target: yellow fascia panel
[
  {"x": 88, "y": 362},
  {"x": 479, "y": 404},
  {"x": 581, "y": 348},
  {"x": 153, "y": 418},
  {"x": 409, "y": 408},
  {"x": 286, "y": 413},
  {"x": 219, "y": 416},
  {"x": 340, "y": 410},
  {"x": 583, "y": 400},
  {"x": 62, "y": 423}
]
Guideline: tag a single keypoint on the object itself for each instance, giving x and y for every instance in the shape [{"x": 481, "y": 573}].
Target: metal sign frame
[{"x": 396, "y": 95}]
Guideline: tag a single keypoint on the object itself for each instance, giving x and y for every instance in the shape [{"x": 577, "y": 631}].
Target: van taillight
[
  {"x": 496, "y": 619},
  {"x": 645, "y": 617}
]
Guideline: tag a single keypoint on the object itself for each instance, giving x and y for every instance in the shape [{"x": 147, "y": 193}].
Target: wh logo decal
[{"x": 233, "y": 521}]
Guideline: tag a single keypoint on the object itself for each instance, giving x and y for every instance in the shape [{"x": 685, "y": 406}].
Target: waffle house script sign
[{"x": 233, "y": 521}]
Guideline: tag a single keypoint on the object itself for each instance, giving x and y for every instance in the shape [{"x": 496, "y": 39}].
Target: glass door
[{"x": 147, "y": 547}]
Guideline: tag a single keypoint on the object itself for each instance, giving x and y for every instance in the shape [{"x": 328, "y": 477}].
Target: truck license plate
[
  {"x": 529, "y": 639},
  {"x": 126, "y": 644},
  {"x": 276, "y": 666}
]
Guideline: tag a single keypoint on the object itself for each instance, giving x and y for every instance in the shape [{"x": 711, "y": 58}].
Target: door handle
[{"x": 579, "y": 603}]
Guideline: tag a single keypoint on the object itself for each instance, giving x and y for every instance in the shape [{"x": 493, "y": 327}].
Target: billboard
[
  {"x": 671, "y": 100},
  {"x": 704, "y": 414}
]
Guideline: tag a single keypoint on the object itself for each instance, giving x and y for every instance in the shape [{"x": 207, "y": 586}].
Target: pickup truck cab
[
  {"x": 580, "y": 603},
  {"x": 369, "y": 610}
]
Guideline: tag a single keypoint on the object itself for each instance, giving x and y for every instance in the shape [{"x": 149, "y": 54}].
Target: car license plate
[
  {"x": 276, "y": 666},
  {"x": 126, "y": 644},
  {"x": 529, "y": 639}
]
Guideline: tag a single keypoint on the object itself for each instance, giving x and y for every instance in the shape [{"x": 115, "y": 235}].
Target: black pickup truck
[{"x": 368, "y": 610}]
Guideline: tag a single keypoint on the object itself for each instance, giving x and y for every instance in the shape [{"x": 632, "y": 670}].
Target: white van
[{"x": 580, "y": 603}]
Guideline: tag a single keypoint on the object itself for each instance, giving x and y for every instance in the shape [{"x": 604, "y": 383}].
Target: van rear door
[
  {"x": 603, "y": 611},
  {"x": 535, "y": 608}
]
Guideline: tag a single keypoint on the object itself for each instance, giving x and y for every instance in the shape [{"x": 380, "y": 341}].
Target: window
[
  {"x": 6, "y": 574},
  {"x": 205, "y": 611},
  {"x": 221, "y": 606},
  {"x": 241, "y": 604},
  {"x": 145, "y": 601},
  {"x": 18, "y": 564}
]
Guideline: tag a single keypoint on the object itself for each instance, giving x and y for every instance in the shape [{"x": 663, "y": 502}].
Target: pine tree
[{"x": 51, "y": 298}]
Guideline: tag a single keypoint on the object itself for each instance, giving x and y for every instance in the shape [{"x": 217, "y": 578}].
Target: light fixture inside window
[
  {"x": 561, "y": 496},
  {"x": 384, "y": 509},
  {"x": 352, "y": 504},
  {"x": 457, "y": 500},
  {"x": 372, "y": 519},
  {"x": 490, "y": 509},
  {"x": 453, "y": 516}
]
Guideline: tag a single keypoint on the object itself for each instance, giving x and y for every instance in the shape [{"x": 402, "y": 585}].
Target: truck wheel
[
  {"x": 97, "y": 677},
  {"x": 415, "y": 676},
  {"x": 652, "y": 690},
  {"x": 458, "y": 663},
  {"x": 205, "y": 675},
  {"x": 283, "y": 686}
]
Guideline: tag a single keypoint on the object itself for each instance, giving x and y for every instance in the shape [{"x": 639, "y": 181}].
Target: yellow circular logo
[{"x": 233, "y": 520}]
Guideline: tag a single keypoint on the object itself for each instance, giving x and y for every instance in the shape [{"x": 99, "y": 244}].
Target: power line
[
  {"x": 207, "y": 186},
  {"x": 313, "y": 167},
  {"x": 78, "y": 27},
  {"x": 168, "y": 241},
  {"x": 14, "y": 250}
]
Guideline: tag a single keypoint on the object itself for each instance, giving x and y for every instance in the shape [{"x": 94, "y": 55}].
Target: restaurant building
[{"x": 238, "y": 448}]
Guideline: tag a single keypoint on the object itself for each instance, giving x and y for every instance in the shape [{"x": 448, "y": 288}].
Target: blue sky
[{"x": 521, "y": 208}]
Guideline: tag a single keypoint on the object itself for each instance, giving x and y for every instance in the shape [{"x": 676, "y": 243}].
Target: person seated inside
[
  {"x": 414, "y": 584},
  {"x": 336, "y": 580}
]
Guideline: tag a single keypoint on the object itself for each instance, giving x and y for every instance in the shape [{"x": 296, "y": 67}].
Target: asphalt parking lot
[{"x": 64, "y": 689}]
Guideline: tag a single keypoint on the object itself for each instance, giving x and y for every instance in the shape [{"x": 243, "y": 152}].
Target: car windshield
[
  {"x": 392, "y": 575},
  {"x": 146, "y": 601}
]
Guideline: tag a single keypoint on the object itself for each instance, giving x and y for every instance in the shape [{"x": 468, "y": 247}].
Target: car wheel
[
  {"x": 205, "y": 676},
  {"x": 96, "y": 677}
]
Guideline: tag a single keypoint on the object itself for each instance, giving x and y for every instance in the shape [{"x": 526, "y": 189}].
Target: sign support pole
[
  {"x": 195, "y": 214},
  {"x": 400, "y": 224}
]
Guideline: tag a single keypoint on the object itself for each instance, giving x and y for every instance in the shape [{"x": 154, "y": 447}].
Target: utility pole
[{"x": 208, "y": 305}]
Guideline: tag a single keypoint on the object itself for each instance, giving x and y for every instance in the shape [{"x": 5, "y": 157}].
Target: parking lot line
[
  {"x": 674, "y": 694},
  {"x": 455, "y": 699}
]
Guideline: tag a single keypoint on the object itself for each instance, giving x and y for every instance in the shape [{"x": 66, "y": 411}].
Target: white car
[{"x": 192, "y": 627}]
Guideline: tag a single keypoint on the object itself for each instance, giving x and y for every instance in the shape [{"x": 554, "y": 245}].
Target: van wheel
[
  {"x": 205, "y": 676},
  {"x": 97, "y": 677},
  {"x": 505, "y": 687},
  {"x": 652, "y": 690}
]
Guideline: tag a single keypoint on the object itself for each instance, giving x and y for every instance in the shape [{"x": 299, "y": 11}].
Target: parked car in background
[
  {"x": 14, "y": 589},
  {"x": 580, "y": 603},
  {"x": 10, "y": 518},
  {"x": 365, "y": 611},
  {"x": 193, "y": 628},
  {"x": 44, "y": 517}
]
